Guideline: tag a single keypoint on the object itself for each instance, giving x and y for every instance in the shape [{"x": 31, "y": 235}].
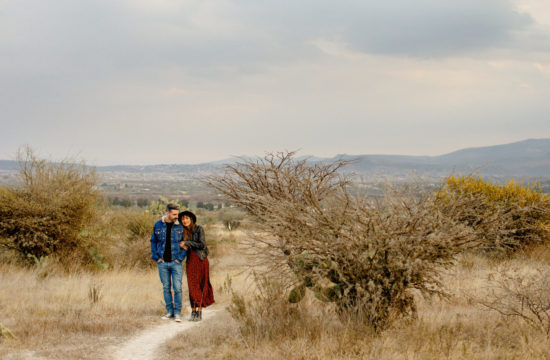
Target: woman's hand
[{"x": 183, "y": 246}]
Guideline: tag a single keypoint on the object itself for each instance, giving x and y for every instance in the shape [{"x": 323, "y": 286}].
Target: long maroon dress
[{"x": 201, "y": 293}]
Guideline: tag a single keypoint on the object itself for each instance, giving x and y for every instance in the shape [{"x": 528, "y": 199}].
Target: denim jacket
[{"x": 158, "y": 241}]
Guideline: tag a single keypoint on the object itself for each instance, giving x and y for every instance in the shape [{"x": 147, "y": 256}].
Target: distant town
[{"x": 527, "y": 161}]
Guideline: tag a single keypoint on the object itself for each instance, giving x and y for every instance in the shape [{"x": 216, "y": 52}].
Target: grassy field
[
  {"x": 72, "y": 316},
  {"x": 57, "y": 316},
  {"x": 79, "y": 315},
  {"x": 76, "y": 277},
  {"x": 456, "y": 328}
]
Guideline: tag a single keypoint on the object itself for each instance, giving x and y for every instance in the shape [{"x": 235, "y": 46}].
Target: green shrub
[
  {"x": 119, "y": 238},
  {"x": 140, "y": 224},
  {"x": 45, "y": 212},
  {"x": 231, "y": 218}
]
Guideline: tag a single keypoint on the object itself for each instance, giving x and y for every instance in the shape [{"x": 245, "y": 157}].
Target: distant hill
[
  {"x": 8, "y": 165},
  {"x": 528, "y": 158}
]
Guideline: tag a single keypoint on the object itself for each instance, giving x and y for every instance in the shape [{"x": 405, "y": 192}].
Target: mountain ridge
[{"x": 530, "y": 157}]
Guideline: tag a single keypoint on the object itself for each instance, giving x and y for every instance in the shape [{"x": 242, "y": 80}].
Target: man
[{"x": 165, "y": 249}]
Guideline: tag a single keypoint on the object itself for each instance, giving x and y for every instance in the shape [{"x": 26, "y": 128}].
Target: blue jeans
[{"x": 170, "y": 274}]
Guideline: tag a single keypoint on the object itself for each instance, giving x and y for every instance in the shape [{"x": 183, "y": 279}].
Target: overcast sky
[{"x": 170, "y": 81}]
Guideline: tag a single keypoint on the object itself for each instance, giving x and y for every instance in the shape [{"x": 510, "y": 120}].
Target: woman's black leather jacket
[{"x": 197, "y": 242}]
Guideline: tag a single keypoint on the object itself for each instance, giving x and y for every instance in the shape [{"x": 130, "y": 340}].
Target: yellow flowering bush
[{"x": 504, "y": 216}]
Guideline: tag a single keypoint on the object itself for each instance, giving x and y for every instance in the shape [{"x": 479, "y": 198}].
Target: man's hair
[{"x": 171, "y": 207}]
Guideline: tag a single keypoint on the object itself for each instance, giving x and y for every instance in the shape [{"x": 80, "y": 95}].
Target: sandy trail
[{"x": 144, "y": 345}]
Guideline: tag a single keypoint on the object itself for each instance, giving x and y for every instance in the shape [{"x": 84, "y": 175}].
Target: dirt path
[{"x": 143, "y": 345}]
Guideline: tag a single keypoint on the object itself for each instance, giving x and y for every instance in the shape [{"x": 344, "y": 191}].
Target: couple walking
[{"x": 175, "y": 237}]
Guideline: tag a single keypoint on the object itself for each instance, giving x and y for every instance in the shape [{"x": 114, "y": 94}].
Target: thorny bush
[{"x": 365, "y": 256}]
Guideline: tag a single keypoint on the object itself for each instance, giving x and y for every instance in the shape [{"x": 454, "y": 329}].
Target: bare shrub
[
  {"x": 45, "y": 212},
  {"x": 503, "y": 216},
  {"x": 366, "y": 256},
  {"x": 521, "y": 294}
]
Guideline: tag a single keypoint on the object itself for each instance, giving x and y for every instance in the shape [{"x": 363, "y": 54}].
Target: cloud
[
  {"x": 74, "y": 37},
  {"x": 433, "y": 28},
  {"x": 421, "y": 28},
  {"x": 253, "y": 74}
]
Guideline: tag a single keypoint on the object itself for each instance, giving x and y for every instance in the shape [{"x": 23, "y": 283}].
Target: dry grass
[
  {"x": 56, "y": 316},
  {"x": 221, "y": 242},
  {"x": 457, "y": 328}
]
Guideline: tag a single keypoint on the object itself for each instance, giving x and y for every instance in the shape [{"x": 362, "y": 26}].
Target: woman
[{"x": 197, "y": 266}]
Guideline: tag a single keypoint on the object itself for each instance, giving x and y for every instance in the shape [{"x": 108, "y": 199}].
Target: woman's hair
[{"x": 187, "y": 231}]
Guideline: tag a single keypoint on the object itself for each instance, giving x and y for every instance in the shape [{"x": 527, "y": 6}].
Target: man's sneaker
[
  {"x": 167, "y": 316},
  {"x": 177, "y": 318},
  {"x": 192, "y": 316}
]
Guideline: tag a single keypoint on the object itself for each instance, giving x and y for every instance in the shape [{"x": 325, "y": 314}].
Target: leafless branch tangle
[{"x": 365, "y": 255}]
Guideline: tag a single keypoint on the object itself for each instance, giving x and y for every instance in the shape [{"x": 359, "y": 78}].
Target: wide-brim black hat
[{"x": 187, "y": 213}]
